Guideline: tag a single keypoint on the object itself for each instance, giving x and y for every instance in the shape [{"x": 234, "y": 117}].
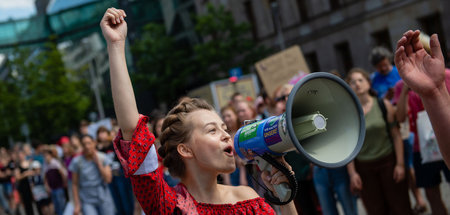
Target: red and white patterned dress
[{"x": 139, "y": 161}]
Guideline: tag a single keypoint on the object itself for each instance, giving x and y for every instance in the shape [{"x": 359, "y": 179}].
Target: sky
[{"x": 16, "y": 9}]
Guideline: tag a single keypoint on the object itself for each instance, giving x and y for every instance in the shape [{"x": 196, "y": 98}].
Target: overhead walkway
[{"x": 72, "y": 23}]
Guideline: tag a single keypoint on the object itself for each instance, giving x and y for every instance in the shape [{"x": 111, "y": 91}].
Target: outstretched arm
[
  {"x": 425, "y": 74},
  {"x": 114, "y": 30}
]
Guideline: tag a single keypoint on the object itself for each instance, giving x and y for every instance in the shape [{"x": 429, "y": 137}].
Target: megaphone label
[
  {"x": 271, "y": 135},
  {"x": 249, "y": 131}
]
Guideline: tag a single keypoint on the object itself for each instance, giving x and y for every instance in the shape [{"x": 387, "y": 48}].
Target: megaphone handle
[{"x": 283, "y": 191}]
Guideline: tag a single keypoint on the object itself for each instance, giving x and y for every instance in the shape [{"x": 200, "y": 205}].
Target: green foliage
[
  {"x": 49, "y": 98},
  {"x": 10, "y": 116},
  {"x": 226, "y": 44},
  {"x": 162, "y": 67},
  {"x": 168, "y": 69}
]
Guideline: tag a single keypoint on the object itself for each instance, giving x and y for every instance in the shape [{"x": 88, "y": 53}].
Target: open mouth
[{"x": 229, "y": 150}]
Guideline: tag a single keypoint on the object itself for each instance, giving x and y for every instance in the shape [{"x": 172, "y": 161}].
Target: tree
[
  {"x": 168, "y": 69},
  {"x": 226, "y": 44},
  {"x": 52, "y": 99},
  {"x": 162, "y": 67},
  {"x": 10, "y": 116}
]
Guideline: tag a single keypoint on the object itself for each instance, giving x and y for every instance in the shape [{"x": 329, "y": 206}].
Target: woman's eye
[{"x": 212, "y": 130}]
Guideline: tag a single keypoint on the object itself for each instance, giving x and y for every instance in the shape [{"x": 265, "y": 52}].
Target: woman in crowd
[
  {"x": 239, "y": 176},
  {"x": 56, "y": 179},
  {"x": 40, "y": 190},
  {"x": 6, "y": 172},
  {"x": 22, "y": 174},
  {"x": 245, "y": 111},
  {"x": 378, "y": 172},
  {"x": 194, "y": 146}
]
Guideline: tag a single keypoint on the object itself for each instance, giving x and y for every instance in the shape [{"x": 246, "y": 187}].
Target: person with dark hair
[
  {"x": 91, "y": 172},
  {"x": 120, "y": 186},
  {"x": 239, "y": 176},
  {"x": 40, "y": 190},
  {"x": 22, "y": 174},
  {"x": 378, "y": 171},
  {"x": 6, "y": 172},
  {"x": 55, "y": 176},
  {"x": 386, "y": 75},
  {"x": 194, "y": 146},
  {"x": 235, "y": 98}
]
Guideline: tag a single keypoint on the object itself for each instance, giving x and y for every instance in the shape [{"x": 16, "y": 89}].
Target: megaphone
[{"x": 323, "y": 121}]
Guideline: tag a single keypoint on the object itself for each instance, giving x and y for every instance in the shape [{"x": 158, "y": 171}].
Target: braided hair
[{"x": 175, "y": 131}]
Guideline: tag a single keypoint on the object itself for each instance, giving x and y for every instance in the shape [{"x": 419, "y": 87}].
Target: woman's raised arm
[{"x": 114, "y": 30}]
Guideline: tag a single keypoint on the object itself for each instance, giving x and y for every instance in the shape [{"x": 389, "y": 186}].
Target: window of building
[
  {"x": 381, "y": 38},
  {"x": 343, "y": 57},
  {"x": 274, "y": 8},
  {"x": 249, "y": 14},
  {"x": 335, "y": 4},
  {"x": 312, "y": 61},
  {"x": 303, "y": 10},
  {"x": 432, "y": 24}
]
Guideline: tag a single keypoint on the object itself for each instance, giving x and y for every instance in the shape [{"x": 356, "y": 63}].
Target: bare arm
[
  {"x": 425, "y": 74},
  {"x": 105, "y": 170},
  {"x": 399, "y": 169},
  {"x": 114, "y": 30},
  {"x": 402, "y": 104},
  {"x": 355, "y": 180},
  {"x": 76, "y": 196},
  {"x": 288, "y": 208}
]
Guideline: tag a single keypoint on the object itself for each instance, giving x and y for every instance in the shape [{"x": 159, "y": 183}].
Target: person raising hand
[
  {"x": 195, "y": 147},
  {"x": 426, "y": 75}
]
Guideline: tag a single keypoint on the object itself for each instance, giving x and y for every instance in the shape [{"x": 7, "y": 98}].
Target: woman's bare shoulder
[{"x": 241, "y": 193}]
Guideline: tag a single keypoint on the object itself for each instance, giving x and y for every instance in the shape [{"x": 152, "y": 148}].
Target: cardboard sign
[
  {"x": 279, "y": 68},
  {"x": 225, "y": 89},
  {"x": 218, "y": 93}
]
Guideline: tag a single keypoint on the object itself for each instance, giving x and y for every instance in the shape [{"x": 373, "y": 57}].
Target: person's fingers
[
  {"x": 409, "y": 48},
  {"x": 118, "y": 15},
  {"x": 435, "y": 47},
  {"x": 110, "y": 18},
  {"x": 395, "y": 176},
  {"x": 408, "y": 33},
  {"x": 415, "y": 41},
  {"x": 123, "y": 13},
  {"x": 265, "y": 175},
  {"x": 401, "y": 42},
  {"x": 398, "y": 59},
  {"x": 278, "y": 178}
]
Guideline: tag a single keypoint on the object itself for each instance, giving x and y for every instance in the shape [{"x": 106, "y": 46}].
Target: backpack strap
[{"x": 384, "y": 111}]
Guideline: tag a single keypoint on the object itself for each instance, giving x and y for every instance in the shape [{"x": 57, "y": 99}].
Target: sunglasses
[{"x": 281, "y": 98}]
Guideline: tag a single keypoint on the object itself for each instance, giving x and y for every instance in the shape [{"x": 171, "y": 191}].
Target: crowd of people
[
  {"x": 183, "y": 162},
  {"x": 74, "y": 174}
]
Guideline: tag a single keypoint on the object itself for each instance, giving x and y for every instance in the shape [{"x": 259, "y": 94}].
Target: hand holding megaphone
[
  {"x": 324, "y": 122},
  {"x": 276, "y": 180}
]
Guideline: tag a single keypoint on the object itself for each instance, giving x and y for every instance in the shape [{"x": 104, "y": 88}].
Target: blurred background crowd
[{"x": 53, "y": 77}]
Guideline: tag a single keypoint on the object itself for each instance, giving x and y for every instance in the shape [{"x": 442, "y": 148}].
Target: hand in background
[{"x": 422, "y": 72}]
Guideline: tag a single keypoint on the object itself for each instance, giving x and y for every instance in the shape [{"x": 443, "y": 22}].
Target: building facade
[{"x": 338, "y": 34}]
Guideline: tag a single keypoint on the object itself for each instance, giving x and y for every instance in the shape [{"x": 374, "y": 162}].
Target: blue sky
[{"x": 16, "y": 9}]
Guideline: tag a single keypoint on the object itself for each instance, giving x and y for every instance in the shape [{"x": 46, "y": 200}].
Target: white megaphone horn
[{"x": 323, "y": 121}]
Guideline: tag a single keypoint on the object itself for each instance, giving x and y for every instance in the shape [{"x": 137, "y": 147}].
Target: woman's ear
[{"x": 185, "y": 151}]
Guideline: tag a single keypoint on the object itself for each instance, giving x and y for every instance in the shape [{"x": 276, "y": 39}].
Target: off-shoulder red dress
[{"x": 139, "y": 161}]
